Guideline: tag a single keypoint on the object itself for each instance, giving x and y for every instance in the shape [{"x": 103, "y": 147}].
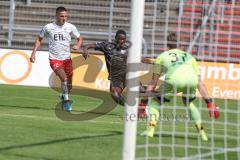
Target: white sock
[{"x": 64, "y": 90}]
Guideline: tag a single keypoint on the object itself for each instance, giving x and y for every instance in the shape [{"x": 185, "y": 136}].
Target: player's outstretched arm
[
  {"x": 212, "y": 107},
  {"x": 35, "y": 48},
  {"x": 148, "y": 60},
  {"x": 86, "y": 48}
]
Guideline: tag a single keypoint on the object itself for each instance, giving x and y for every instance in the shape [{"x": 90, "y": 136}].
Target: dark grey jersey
[{"x": 116, "y": 58}]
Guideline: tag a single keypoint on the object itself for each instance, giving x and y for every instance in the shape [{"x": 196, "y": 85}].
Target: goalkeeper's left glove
[{"x": 213, "y": 110}]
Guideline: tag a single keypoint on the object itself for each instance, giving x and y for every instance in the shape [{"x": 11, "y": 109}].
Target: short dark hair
[
  {"x": 172, "y": 40},
  {"x": 61, "y": 9},
  {"x": 120, "y": 32}
]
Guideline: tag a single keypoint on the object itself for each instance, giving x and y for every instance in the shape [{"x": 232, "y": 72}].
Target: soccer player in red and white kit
[{"x": 59, "y": 37}]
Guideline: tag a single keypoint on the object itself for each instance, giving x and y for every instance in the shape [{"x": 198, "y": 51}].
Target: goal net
[{"x": 208, "y": 29}]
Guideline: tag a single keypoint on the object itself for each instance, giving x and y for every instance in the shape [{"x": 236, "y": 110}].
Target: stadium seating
[
  {"x": 88, "y": 16},
  {"x": 225, "y": 29},
  {"x": 92, "y": 17}
]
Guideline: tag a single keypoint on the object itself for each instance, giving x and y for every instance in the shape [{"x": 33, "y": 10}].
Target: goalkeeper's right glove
[{"x": 213, "y": 110}]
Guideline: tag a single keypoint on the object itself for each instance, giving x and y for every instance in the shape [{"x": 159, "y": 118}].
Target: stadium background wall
[{"x": 221, "y": 78}]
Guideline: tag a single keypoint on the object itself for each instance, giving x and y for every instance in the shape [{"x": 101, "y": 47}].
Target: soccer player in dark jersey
[{"x": 115, "y": 53}]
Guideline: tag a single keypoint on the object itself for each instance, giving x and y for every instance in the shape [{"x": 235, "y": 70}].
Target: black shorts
[{"x": 118, "y": 80}]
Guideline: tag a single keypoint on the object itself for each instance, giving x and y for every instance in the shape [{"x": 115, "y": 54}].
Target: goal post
[
  {"x": 136, "y": 34},
  {"x": 208, "y": 29}
]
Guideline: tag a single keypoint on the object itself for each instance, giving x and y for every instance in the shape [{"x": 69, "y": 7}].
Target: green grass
[
  {"x": 223, "y": 134},
  {"x": 30, "y": 129}
]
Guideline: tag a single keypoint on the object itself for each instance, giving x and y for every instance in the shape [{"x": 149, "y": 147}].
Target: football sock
[
  {"x": 153, "y": 118},
  {"x": 153, "y": 115},
  {"x": 201, "y": 131},
  {"x": 203, "y": 135},
  {"x": 149, "y": 132},
  {"x": 197, "y": 118},
  {"x": 64, "y": 87},
  {"x": 195, "y": 115}
]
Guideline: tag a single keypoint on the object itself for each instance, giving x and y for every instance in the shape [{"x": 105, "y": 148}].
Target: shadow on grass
[
  {"x": 52, "y": 109},
  {"x": 105, "y": 107},
  {"x": 178, "y": 136},
  {"x": 56, "y": 141},
  {"x": 22, "y": 156}
]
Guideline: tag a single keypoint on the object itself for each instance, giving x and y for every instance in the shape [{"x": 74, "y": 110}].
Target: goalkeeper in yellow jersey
[{"x": 181, "y": 75}]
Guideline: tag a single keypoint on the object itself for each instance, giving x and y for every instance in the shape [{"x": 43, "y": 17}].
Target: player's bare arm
[
  {"x": 78, "y": 44},
  {"x": 86, "y": 48},
  {"x": 150, "y": 88},
  {"x": 213, "y": 108},
  {"x": 148, "y": 60},
  {"x": 35, "y": 48},
  {"x": 153, "y": 83},
  {"x": 202, "y": 88}
]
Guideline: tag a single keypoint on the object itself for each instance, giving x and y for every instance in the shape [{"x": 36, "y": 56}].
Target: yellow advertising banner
[
  {"x": 221, "y": 79},
  {"x": 91, "y": 73}
]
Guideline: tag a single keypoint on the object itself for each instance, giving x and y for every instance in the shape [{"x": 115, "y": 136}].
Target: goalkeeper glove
[{"x": 213, "y": 110}]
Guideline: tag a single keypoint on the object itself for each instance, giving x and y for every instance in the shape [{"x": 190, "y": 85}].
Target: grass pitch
[{"x": 30, "y": 130}]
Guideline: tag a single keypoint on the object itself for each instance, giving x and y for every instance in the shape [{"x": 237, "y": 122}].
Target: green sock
[
  {"x": 153, "y": 110},
  {"x": 195, "y": 114},
  {"x": 153, "y": 116}
]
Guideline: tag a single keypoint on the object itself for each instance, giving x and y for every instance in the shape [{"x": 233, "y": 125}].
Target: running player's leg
[
  {"x": 116, "y": 93},
  {"x": 58, "y": 68},
  {"x": 64, "y": 83},
  {"x": 68, "y": 68},
  {"x": 117, "y": 84},
  {"x": 65, "y": 89}
]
